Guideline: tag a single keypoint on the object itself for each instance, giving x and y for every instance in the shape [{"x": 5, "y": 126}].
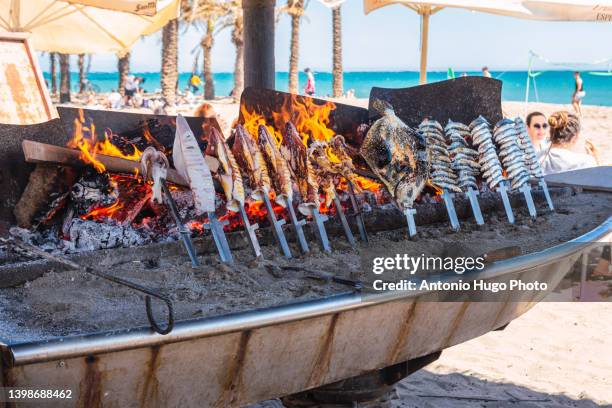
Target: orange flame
[{"x": 85, "y": 139}]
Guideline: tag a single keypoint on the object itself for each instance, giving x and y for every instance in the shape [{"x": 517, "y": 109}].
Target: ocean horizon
[{"x": 550, "y": 86}]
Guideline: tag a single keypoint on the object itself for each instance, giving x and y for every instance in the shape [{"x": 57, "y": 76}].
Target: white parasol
[
  {"x": 549, "y": 10},
  {"x": 71, "y": 27}
]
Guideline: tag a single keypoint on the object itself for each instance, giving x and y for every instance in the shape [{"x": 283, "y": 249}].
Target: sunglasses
[{"x": 538, "y": 126}]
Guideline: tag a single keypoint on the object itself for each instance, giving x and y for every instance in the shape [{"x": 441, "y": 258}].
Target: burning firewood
[
  {"x": 222, "y": 162},
  {"x": 249, "y": 157},
  {"x": 295, "y": 153},
  {"x": 154, "y": 166}
]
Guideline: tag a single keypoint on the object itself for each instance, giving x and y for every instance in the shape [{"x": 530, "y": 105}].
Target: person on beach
[
  {"x": 131, "y": 86},
  {"x": 310, "y": 82},
  {"x": 114, "y": 99},
  {"x": 560, "y": 155},
  {"x": 578, "y": 94},
  {"x": 485, "y": 72},
  {"x": 537, "y": 127},
  {"x": 195, "y": 82}
]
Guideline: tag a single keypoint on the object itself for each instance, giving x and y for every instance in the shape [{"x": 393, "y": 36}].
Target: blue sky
[{"x": 388, "y": 39}]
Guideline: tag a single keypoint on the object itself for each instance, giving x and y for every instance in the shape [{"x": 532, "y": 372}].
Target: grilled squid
[
  {"x": 277, "y": 166},
  {"x": 295, "y": 153},
  {"x": 221, "y": 161},
  {"x": 154, "y": 166},
  {"x": 249, "y": 157}
]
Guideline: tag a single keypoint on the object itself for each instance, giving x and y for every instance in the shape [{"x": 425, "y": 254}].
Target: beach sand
[{"x": 556, "y": 355}]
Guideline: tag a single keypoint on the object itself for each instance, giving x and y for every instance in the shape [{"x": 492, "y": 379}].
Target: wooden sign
[{"x": 24, "y": 97}]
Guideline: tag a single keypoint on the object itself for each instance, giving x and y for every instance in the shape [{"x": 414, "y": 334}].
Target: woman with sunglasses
[
  {"x": 537, "y": 127},
  {"x": 561, "y": 156}
]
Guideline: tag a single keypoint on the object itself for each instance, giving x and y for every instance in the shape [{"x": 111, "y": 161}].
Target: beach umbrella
[
  {"x": 547, "y": 10},
  {"x": 72, "y": 27},
  {"x": 144, "y": 7}
]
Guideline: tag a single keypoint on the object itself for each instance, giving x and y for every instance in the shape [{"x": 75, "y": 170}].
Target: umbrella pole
[{"x": 425, "y": 13}]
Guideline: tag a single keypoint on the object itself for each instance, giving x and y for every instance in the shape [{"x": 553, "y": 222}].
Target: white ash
[{"x": 90, "y": 235}]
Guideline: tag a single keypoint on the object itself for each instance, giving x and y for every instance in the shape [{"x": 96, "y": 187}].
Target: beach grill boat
[{"x": 242, "y": 358}]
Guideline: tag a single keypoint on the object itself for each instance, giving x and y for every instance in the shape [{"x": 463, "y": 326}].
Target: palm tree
[
  {"x": 337, "y": 90},
  {"x": 211, "y": 17},
  {"x": 207, "y": 44},
  {"x": 82, "y": 75},
  {"x": 295, "y": 9},
  {"x": 123, "y": 67},
  {"x": 64, "y": 62},
  {"x": 169, "y": 64},
  {"x": 53, "y": 71},
  {"x": 237, "y": 20}
]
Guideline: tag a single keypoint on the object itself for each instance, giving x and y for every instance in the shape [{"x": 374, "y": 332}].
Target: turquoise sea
[{"x": 551, "y": 86}]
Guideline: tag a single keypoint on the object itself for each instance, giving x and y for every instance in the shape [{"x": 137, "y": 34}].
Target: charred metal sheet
[{"x": 460, "y": 99}]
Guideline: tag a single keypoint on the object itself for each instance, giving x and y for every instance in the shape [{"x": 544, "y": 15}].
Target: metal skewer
[
  {"x": 409, "y": 213},
  {"x": 216, "y": 229},
  {"x": 250, "y": 230},
  {"x": 450, "y": 209},
  {"x": 357, "y": 213},
  {"x": 473, "y": 196},
  {"x": 184, "y": 232},
  {"x": 277, "y": 227},
  {"x": 526, "y": 190},
  {"x": 319, "y": 220},
  {"x": 503, "y": 191},
  {"x": 298, "y": 224},
  {"x": 544, "y": 186},
  {"x": 345, "y": 225}
]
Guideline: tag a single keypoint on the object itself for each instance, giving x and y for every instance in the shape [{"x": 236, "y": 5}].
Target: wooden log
[
  {"x": 44, "y": 180},
  {"x": 36, "y": 152}
]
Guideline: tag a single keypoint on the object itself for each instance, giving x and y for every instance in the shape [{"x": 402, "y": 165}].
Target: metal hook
[{"x": 152, "y": 320}]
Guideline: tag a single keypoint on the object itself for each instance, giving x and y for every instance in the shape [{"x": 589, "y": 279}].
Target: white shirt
[
  {"x": 557, "y": 160},
  {"x": 115, "y": 100}
]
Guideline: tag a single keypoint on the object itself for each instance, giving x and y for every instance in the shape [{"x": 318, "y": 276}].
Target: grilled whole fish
[
  {"x": 278, "y": 167},
  {"x": 227, "y": 170},
  {"x": 295, "y": 154},
  {"x": 346, "y": 168},
  {"x": 531, "y": 158},
  {"x": 506, "y": 135},
  {"x": 324, "y": 169},
  {"x": 444, "y": 175},
  {"x": 390, "y": 149},
  {"x": 490, "y": 165},
  {"x": 249, "y": 157}
]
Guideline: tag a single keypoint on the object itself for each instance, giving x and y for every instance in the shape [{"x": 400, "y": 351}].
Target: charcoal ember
[
  {"x": 91, "y": 189},
  {"x": 58, "y": 202},
  {"x": 89, "y": 236}
]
